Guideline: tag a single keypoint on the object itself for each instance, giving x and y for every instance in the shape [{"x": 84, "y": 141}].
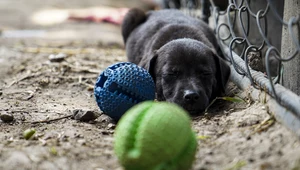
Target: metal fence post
[{"x": 291, "y": 74}]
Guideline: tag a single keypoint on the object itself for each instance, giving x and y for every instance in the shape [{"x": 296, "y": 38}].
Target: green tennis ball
[{"x": 155, "y": 136}]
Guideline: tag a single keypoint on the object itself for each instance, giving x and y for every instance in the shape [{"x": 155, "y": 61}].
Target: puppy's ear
[
  {"x": 132, "y": 19},
  {"x": 149, "y": 64},
  {"x": 223, "y": 73}
]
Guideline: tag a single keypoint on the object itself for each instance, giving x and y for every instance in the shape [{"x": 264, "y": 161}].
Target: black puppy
[{"x": 180, "y": 53}]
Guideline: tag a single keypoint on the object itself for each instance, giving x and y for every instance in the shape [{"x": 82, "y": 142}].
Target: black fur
[{"x": 180, "y": 53}]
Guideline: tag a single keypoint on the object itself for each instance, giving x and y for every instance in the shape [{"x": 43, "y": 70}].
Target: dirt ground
[{"x": 231, "y": 136}]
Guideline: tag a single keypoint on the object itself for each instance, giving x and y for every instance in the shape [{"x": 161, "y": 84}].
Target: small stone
[
  {"x": 82, "y": 141},
  {"x": 85, "y": 116},
  {"x": 56, "y": 80},
  {"x": 111, "y": 126},
  {"x": 6, "y": 117},
  {"x": 44, "y": 82},
  {"x": 57, "y": 58}
]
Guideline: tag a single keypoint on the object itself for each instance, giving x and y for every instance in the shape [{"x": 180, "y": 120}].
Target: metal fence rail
[{"x": 288, "y": 110}]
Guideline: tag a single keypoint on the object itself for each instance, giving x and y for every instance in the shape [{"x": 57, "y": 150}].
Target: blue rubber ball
[{"x": 122, "y": 85}]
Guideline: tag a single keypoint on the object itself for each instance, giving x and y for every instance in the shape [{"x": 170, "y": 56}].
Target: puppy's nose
[{"x": 191, "y": 96}]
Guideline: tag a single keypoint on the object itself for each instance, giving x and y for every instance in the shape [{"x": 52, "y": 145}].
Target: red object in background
[{"x": 99, "y": 14}]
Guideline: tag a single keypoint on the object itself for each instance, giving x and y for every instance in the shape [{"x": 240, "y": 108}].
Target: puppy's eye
[
  {"x": 169, "y": 75},
  {"x": 206, "y": 73},
  {"x": 173, "y": 73}
]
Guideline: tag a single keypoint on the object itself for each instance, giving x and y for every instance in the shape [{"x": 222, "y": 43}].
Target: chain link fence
[{"x": 250, "y": 34}]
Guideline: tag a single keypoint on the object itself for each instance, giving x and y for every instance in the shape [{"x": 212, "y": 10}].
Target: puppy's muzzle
[
  {"x": 191, "y": 96},
  {"x": 194, "y": 102}
]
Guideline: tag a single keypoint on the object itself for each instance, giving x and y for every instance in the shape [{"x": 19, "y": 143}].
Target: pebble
[
  {"x": 82, "y": 141},
  {"x": 6, "y": 117},
  {"x": 111, "y": 126},
  {"x": 57, "y": 58},
  {"x": 85, "y": 116}
]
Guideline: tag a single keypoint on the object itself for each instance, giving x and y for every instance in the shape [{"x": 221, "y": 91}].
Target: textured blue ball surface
[{"x": 121, "y": 86}]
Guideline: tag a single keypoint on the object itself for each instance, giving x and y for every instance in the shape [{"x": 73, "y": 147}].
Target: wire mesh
[
  {"x": 250, "y": 33},
  {"x": 239, "y": 14}
]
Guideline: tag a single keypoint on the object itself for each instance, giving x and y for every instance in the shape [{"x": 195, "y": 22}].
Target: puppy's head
[{"x": 188, "y": 73}]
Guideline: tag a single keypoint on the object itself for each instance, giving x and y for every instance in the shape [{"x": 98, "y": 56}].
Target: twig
[
  {"x": 89, "y": 86},
  {"x": 30, "y": 75},
  {"x": 51, "y": 120},
  {"x": 211, "y": 103},
  {"x": 264, "y": 125},
  {"x": 231, "y": 99},
  {"x": 31, "y": 94},
  {"x": 80, "y": 82},
  {"x": 81, "y": 69}
]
